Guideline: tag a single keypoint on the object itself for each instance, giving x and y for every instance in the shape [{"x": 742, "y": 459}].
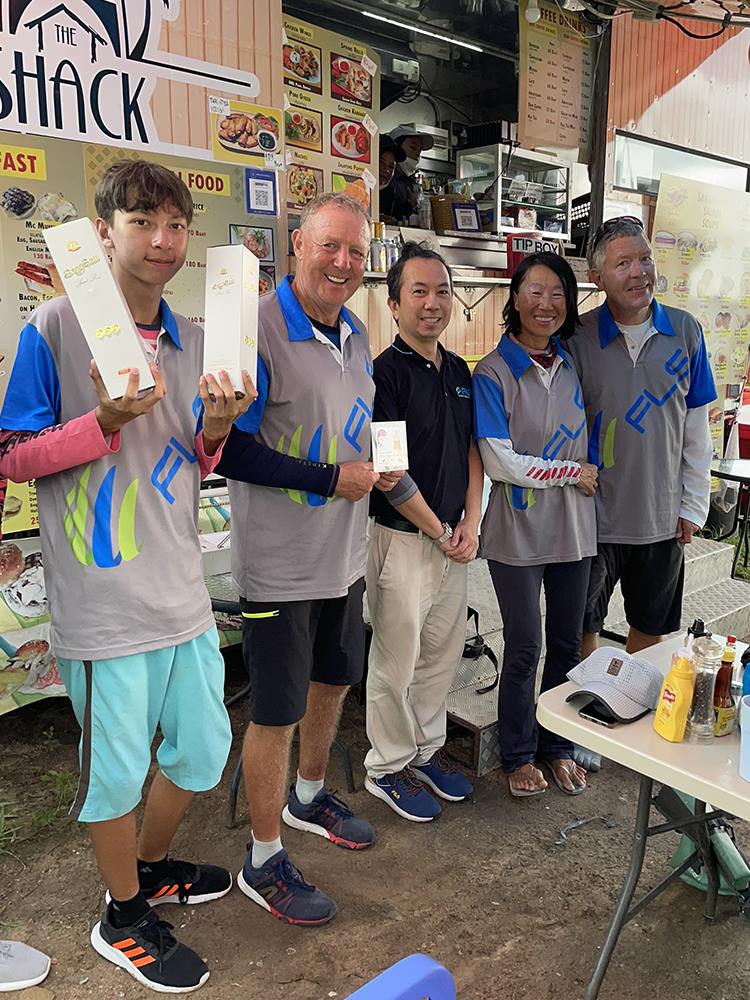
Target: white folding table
[{"x": 708, "y": 773}]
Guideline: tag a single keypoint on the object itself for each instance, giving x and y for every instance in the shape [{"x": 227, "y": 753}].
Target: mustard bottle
[{"x": 675, "y": 698}]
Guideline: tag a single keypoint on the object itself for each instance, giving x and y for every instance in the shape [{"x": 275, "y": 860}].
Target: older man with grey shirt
[{"x": 646, "y": 383}]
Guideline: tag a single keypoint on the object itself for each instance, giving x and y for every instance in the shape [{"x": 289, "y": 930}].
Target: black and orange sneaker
[
  {"x": 151, "y": 954},
  {"x": 185, "y": 882},
  {"x": 279, "y": 887}
]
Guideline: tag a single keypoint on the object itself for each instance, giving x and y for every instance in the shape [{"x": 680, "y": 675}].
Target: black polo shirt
[{"x": 438, "y": 411}]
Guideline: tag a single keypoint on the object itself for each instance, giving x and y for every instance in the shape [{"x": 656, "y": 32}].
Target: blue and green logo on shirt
[
  {"x": 313, "y": 455},
  {"x": 100, "y": 551}
]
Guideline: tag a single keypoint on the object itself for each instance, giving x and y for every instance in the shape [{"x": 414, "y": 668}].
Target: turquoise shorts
[{"x": 119, "y": 704}]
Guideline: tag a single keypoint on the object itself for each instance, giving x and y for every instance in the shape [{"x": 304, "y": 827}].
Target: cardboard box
[
  {"x": 231, "y": 323},
  {"x": 390, "y": 451},
  {"x": 100, "y": 307}
]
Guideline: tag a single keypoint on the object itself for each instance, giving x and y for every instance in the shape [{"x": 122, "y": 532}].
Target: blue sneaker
[
  {"x": 279, "y": 887},
  {"x": 443, "y": 778},
  {"x": 329, "y": 817},
  {"x": 404, "y": 795}
]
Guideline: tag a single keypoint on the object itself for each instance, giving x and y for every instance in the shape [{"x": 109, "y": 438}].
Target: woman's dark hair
[
  {"x": 554, "y": 262},
  {"x": 411, "y": 251}
]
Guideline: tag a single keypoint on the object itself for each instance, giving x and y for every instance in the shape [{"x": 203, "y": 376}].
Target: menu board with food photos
[
  {"x": 701, "y": 239},
  {"x": 45, "y": 182},
  {"x": 332, "y": 100}
]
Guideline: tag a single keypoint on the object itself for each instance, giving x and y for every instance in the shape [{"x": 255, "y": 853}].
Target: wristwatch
[{"x": 446, "y": 535}]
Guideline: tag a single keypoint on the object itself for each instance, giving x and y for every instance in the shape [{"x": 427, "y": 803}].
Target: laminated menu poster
[
  {"x": 332, "y": 93},
  {"x": 555, "y": 78},
  {"x": 45, "y": 182},
  {"x": 701, "y": 239},
  {"x": 28, "y": 669}
]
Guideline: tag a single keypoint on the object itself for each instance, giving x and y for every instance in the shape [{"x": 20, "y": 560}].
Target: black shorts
[
  {"x": 651, "y": 578},
  {"x": 287, "y": 644}
]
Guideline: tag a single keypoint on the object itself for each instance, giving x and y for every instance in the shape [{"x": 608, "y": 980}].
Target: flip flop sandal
[
  {"x": 576, "y": 790},
  {"x": 524, "y": 793}
]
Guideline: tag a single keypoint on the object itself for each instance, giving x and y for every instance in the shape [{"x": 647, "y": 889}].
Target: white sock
[
  {"x": 307, "y": 790},
  {"x": 263, "y": 850}
]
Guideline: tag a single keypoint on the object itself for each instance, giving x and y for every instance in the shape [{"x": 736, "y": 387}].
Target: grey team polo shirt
[
  {"x": 314, "y": 402},
  {"x": 636, "y": 418},
  {"x": 122, "y": 559},
  {"x": 523, "y": 526}
]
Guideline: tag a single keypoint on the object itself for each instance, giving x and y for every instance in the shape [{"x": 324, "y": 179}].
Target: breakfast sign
[
  {"x": 88, "y": 69},
  {"x": 701, "y": 239}
]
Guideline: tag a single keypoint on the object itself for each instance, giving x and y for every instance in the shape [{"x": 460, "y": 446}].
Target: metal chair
[{"x": 417, "y": 977}]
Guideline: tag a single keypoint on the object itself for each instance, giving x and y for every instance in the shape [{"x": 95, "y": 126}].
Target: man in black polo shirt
[{"x": 423, "y": 535}]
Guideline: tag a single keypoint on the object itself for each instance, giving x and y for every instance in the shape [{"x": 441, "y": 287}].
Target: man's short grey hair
[
  {"x": 339, "y": 200},
  {"x": 619, "y": 229}
]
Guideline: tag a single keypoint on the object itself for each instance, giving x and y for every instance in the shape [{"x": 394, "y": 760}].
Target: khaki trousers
[{"x": 417, "y": 600}]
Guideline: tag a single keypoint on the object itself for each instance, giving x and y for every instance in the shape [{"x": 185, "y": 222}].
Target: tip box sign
[{"x": 534, "y": 244}]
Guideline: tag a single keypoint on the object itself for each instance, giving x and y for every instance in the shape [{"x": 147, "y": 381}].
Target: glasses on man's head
[{"x": 609, "y": 225}]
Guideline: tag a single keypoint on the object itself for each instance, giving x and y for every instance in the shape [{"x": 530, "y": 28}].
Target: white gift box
[
  {"x": 389, "y": 446},
  {"x": 100, "y": 307},
  {"x": 231, "y": 315}
]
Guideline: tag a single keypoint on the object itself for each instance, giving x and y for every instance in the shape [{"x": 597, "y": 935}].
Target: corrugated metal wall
[{"x": 690, "y": 92}]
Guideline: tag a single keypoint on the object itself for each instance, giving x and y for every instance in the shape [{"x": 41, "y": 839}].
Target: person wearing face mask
[
  {"x": 399, "y": 199},
  {"x": 391, "y": 154}
]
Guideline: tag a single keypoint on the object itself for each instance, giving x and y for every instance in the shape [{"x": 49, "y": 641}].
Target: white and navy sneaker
[{"x": 404, "y": 795}]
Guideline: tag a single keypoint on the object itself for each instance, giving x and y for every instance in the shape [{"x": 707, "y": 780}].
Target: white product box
[
  {"x": 231, "y": 323},
  {"x": 100, "y": 307},
  {"x": 390, "y": 452}
]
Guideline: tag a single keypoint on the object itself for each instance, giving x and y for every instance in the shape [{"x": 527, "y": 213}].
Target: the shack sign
[{"x": 87, "y": 69}]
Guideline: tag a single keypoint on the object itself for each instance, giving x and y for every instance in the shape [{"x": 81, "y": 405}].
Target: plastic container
[
  {"x": 707, "y": 653},
  {"x": 676, "y": 698}
]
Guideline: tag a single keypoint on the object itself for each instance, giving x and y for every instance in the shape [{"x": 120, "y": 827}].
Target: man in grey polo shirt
[
  {"x": 298, "y": 547},
  {"x": 646, "y": 385}
]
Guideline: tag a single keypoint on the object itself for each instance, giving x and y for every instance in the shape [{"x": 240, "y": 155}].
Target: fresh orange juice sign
[{"x": 25, "y": 164}]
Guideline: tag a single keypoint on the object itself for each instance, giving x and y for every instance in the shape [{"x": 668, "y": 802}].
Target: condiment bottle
[
  {"x": 707, "y": 654},
  {"x": 377, "y": 250},
  {"x": 676, "y": 697},
  {"x": 725, "y": 710}
]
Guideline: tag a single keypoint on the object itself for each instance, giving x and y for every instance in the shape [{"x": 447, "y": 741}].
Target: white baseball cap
[
  {"x": 402, "y": 131},
  {"x": 627, "y": 686}
]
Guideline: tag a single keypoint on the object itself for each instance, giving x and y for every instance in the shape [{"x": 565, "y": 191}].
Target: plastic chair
[{"x": 417, "y": 977}]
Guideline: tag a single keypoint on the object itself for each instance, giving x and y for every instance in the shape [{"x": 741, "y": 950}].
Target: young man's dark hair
[
  {"x": 137, "y": 185},
  {"x": 554, "y": 262},
  {"x": 411, "y": 251}
]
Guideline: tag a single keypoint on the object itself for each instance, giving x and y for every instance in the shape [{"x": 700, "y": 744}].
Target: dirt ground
[{"x": 484, "y": 890}]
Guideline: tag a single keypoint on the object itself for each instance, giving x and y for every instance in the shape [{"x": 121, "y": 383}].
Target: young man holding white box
[{"x": 118, "y": 483}]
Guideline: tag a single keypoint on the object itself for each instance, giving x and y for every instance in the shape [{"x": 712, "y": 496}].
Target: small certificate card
[
  {"x": 231, "y": 324},
  {"x": 389, "y": 448},
  {"x": 99, "y": 305}
]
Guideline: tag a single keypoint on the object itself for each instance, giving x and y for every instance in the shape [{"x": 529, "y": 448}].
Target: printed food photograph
[
  {"x": 304, "y": 128},
  {"x": 55, "y": 207},
  {"x": 350, "y": 139},
  {"x": 303, "y": 184},
  {"x": 353, "y": 185},
  {"x": 17, "y": 203},
  {"x": 257, "y": 240},
  {"x": 40, "y": 277},
  {"x": 266, "y": 280},
  {"x": 248, "y": 132},
  {"x": 303, "y": 63},
  {"x": 349, "y": 79}
]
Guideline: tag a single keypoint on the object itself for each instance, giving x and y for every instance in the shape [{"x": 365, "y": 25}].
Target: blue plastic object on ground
[{"x": 413, "y": 978}]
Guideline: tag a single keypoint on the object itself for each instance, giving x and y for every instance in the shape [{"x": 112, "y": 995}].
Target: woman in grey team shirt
[{"x": 540, "y": 526}]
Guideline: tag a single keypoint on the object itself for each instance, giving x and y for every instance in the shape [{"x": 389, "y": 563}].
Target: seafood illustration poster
[
  {"x": 332, "y": 86},
  {"x": 701, "y": 239}
]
